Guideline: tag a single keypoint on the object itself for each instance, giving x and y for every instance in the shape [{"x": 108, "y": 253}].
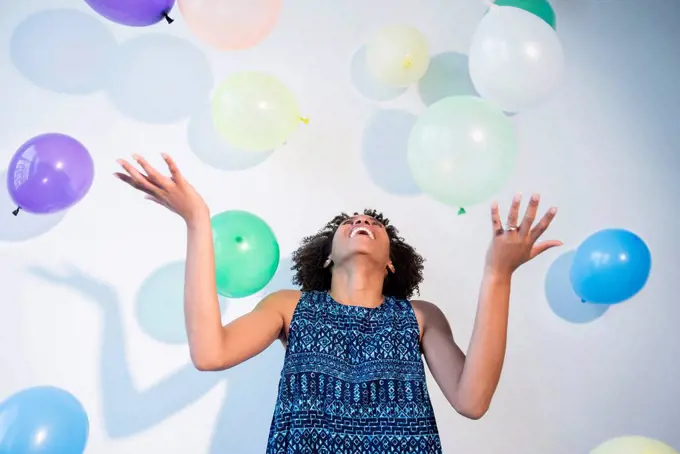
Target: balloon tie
[
  {"x": 305, "y": 120},
  {"x": 169, "y": 19},
  {"x": 407, "y": 62},
  {"x": 16, "y": 212},
  {"x": 461, "y": 211}
]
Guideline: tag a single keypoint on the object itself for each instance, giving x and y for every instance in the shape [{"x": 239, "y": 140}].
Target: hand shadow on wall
[{"x": 244, "y": 418}]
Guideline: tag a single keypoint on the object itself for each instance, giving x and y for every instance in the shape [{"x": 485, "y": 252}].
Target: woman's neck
[{"x": 359, "y": 283}]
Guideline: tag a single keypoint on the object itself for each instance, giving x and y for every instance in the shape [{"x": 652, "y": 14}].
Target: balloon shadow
[
  {"x": 561, "y": 296},
  {"x": 24, "y": 226},
  {"x": 366, "y": 84},
  {"x": 245, "y": 416},
  {"x": 63, "y": 50},
  {"x": 213, "y": 150},
  {"x": 158, "y": 78},
  {"x": 159, "y": 304},
  {"x": 384, "y": 151},
  {"x": 447, "y": 75}
]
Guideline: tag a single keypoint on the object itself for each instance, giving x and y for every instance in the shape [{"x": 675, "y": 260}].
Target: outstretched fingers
[
  {"x": 172, "y": 167},
  {"x": 152, "y": 174},
  {"x": 543, "y": 224},
  {"x": 530, "y": 215},
  {"x": 129, "y": 180},
  {"x": 135, "y": 178},
  {"x": 513, "y": 215},
  {"x": 496, "y": 223}
]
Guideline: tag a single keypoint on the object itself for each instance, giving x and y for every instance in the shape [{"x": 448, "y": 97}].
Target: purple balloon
[
  {"x": 135, "y": 13},
  {"x": 49, "y": 173}
]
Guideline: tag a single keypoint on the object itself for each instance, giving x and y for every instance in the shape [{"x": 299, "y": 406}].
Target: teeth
[{"x": 356, "y": 230}]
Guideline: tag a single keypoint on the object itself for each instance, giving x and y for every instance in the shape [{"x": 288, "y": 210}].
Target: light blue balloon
[
  {"x": 610, "y": 266},
  {"x": 43, "y": 420}
]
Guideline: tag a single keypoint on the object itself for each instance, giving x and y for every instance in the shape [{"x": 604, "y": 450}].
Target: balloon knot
[
  {"x": 407, "y": 62},
  {"x": 169, "y": 19},
  {"x": 582, "y": 300},
  {"x": 461, "y": 211},
  {"x": 305, "y": 120},
  {"x": 16, "y": 212}
]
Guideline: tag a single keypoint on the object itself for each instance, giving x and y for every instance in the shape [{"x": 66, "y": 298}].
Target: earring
[
  {"x": 328, "y": 262},
  {"x": 390, "y": 267}
]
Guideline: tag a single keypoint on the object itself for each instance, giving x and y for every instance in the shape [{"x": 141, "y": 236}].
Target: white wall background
[{"x": 605, "y": 150}]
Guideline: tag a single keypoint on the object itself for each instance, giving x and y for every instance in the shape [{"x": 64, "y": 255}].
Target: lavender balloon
[
  {"x": 49, "y": 173},
  {"x": 135, "y": 13}
]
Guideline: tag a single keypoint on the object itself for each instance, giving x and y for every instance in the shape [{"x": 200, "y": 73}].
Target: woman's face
[{"x": 363, "y": 235}]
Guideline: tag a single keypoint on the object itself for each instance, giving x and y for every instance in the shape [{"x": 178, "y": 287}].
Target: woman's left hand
[{"x": 515, "y": 244}]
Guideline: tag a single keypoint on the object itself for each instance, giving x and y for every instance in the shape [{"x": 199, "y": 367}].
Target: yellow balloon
[
  {"x": 255, "y": 111},
  {"x": 398, "y": 55},
  {"x": 633, "y": 445}
]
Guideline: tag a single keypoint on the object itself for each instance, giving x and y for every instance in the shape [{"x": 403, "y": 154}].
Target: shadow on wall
[
  {"x": 158, "y": 78},
  {"x": 25, "y": 226},
  {"x": 384, "y": 151},
  {"x": 153, "y": 78},
  {"x": 561, "y": 297},
  {"x": 63, "y": 50},
  {"x": 447, "y": 75},
  {"x": 213, "y": 150},
  {"x": 159, "y": 304},
  {"x": 244, "y": 419},
  {"x": 366, "y": 84}
]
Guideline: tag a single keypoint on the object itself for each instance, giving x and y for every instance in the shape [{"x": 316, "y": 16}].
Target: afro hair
[{"x": 308, "y": 260}]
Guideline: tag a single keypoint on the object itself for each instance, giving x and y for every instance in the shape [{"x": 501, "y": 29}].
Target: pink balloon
[{"x": 231, "y": 24}]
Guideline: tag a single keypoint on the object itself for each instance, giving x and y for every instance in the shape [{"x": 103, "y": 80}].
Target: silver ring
[{"x": 511, "y": 228}]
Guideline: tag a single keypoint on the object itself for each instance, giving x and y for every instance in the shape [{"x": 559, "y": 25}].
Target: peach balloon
[{"x": 231, "y": 24}]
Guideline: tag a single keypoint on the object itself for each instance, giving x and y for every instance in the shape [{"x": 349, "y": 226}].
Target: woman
[{"x": 353, "y": 380}]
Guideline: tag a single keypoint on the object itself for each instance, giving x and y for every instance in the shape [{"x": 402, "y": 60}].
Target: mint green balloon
[
  {"x": 246, "y": 253},
  {"x": 462, "y": 150}
]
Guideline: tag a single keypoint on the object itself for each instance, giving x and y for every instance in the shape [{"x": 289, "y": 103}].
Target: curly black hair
[{"x": 309, "y": 259}]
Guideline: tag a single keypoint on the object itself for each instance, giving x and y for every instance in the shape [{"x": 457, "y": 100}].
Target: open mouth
[{"x": 360, "y": 230}]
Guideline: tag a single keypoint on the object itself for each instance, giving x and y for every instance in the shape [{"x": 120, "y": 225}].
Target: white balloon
[{"x": 516, "y": 59}]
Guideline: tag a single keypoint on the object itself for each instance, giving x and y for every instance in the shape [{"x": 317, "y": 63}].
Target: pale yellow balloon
[
  {"x": 398, "y": 55},
  {"x": 633, "y": 445},
  {"x": 255, "y": 111}
]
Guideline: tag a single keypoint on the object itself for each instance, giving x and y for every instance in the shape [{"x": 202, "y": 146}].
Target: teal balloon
[
  {"x": 610, "y": 266},
  {"x": 246, "y": 253},
  {"x": 462, "y": 150},
  {"x": 43, "y": 420},
  {"x": 540, "y": 8}
]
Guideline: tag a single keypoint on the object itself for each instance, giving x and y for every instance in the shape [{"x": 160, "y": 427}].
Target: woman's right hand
[{"x": 172, "y": 192}]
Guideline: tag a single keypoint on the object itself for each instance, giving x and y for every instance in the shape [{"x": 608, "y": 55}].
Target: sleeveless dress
[{"x": 353, "y": 382}]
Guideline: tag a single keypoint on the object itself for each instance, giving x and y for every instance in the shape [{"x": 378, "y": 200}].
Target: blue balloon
[
  {"x": 610, "y": 266},
  {"x": 43, "y": 420}
]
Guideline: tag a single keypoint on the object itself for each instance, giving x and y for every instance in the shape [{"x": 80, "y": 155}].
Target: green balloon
[
  {"x": 462, "y": 150},
  {"x": 540, "y": 8},
  {"x": 246, "y": 253}
]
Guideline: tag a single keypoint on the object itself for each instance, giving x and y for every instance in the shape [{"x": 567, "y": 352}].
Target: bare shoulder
[
  {"x": 283, "y": 302},
  {"x": 280, "y": 299},
  {"x": 428, "y": 314}
]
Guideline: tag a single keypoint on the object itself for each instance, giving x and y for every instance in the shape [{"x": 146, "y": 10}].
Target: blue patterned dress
[{"x": 353, "y": 381}]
